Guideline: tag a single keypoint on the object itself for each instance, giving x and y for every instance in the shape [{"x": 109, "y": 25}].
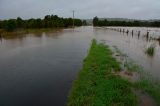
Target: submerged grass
[
  {"x": 96, "y": 85},
  {"x": 146, "y": 82},
  {"x": 150, "y": 50},
  {"x": 152, "y": 88}
]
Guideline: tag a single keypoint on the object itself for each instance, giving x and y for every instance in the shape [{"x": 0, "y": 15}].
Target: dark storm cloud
[{"x": 139, "y": 9}]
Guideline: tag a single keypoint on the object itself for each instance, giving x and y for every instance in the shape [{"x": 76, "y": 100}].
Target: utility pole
[{"x": 73, "y": 18}]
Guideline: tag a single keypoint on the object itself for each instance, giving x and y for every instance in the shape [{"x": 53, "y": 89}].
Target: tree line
[
  {"x": 105, "y": 22},
  {"x": 49, "y": 21}
]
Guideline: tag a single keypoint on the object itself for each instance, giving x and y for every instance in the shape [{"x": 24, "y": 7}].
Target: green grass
[
  {"x": 96, "y": 85},
  {"x": 150, "y": 50}
]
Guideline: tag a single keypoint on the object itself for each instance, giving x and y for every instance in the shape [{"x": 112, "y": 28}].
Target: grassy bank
[{"x": 96, "y": 84}]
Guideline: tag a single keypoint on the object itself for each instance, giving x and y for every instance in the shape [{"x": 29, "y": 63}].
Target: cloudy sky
[{"x": 135, "y": 9}]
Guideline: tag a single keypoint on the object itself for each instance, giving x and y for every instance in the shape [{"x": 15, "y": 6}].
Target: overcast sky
[{"x": 135, "y": 9}]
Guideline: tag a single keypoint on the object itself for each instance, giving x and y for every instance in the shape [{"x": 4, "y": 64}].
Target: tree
[
  {"x": 38, "y": 23},
  {"x": 49, "y": 21},
  {"x": 84, "y": 22},
  {"x": 10, "y": 25},
  {"x": 95, "y": 21},
  {"x": 1, "y": 24},
  {"x": 20, "y": 23}
]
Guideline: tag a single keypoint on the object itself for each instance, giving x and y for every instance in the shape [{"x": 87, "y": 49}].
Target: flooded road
[{"x": 39, "y": 68}]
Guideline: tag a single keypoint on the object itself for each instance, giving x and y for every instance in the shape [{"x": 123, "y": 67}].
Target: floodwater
[
  {"x": 37, "y": 69},
  {"x": 134, "y": 46}
]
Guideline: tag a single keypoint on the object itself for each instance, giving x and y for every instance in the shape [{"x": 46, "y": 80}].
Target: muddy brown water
[{"x": 38, "y": 69}]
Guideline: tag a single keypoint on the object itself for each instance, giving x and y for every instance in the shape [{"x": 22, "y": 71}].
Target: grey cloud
[{"x": 139, "y": 9}]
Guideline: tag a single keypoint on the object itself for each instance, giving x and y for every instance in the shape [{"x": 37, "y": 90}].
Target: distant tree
[
  {"x": 78, "y": 22},
  {"x": 84, "y": 22},
  {"x": 31, "y": 23},
  {"x": 20, "y": 23},
  {"x": 47, "y": 17},
  {"x": 54, "y": 17},
  {"x": 10, "y": 25},
  {"x": 156, "y": 24},
  {"x": 49, "y": 21},
  {"x": 105, "y": 22},
  {"x": 1, "y": 24},
  {"x": 136, "y": 23},
  {"x": 67, "y": 22},
  {"x": 95, "y": 21},
  {"x": 38, "y": 23}
]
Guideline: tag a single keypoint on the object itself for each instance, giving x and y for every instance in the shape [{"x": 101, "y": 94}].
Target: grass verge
[{"x": 96, "y": 85}]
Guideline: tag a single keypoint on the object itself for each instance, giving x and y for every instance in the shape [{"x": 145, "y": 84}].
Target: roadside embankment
[{"x": 98, "y": 85}]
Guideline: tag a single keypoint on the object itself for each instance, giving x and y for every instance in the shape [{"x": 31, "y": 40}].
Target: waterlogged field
[
  {"x": 145, "y": 51},
  {"x": 39, "y": 68}
]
